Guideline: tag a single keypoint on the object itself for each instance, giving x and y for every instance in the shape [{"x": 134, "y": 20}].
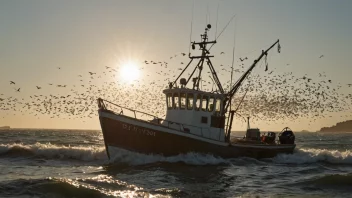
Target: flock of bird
[{"x": 271, "y": 96}]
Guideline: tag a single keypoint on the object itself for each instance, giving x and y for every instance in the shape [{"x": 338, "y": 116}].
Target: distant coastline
[
  {"x": 345, "y": 126},
  {"x": 4, "y": 127}
]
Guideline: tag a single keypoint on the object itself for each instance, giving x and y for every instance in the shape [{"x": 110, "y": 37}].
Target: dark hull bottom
[{"x": 150, "y": 141}]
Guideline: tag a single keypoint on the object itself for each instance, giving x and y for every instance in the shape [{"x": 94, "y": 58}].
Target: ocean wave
[
  {"x": 50, "y": 151},
  {"x": 335, "y": 180},
  {"x": 328, "y": 181},
  {"x": 308, "y": 156},
  {"x": 99, "y": 186},
  {"x": 132, "y": 158},
  {"x": 98, "y": 154},
  {"x": 56, "y": 187},
  {"x": 122, "y": 156}
]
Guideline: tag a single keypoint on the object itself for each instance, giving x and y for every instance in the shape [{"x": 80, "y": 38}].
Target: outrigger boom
[{"x": 205, "y": 56}]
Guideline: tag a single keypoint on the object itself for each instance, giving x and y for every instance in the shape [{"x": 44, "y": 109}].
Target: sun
[{"x": 129, "y": 72}]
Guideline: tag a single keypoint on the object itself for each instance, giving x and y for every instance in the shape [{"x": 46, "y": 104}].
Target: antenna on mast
[
  {"x": 206, "y": 15},
  {"x": 190, "y": 35},
  {"x": 216, "y": 26}
]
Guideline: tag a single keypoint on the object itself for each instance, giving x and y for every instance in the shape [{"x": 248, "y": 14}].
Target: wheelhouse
[{"x": 195, "y": 110}]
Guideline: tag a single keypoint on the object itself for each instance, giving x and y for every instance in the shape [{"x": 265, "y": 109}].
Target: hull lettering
[{"x": 141, "y": 131}]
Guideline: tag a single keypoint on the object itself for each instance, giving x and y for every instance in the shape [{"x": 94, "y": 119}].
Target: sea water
[{"x": 71, "y": 163}]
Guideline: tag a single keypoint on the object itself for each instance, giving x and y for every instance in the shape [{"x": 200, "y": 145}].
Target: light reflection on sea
[{"x": 49, "y": 163}]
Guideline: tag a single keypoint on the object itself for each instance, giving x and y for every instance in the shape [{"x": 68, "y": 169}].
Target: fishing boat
[{"x": 196, "y": 120}]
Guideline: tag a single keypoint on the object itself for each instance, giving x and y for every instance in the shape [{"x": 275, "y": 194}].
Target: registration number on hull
[{"x": 141, "y": 131}]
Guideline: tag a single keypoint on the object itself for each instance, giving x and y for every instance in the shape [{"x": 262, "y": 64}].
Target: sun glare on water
[{"x": 129, "y": 72}]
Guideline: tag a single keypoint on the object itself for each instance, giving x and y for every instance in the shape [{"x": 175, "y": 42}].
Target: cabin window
[
  {"x": 204, "y": 120},
  {"x": 169, "y": 100},
  {"x": 198, "y": 102},
  {"x": 183, "y": 100},
  {"x": 176, "y": 101},
  {"x": 204, "y": 103},
  {"x": 211, "y": 104},
  {"x": 190, "y": 99},
  {"x": 218, "y": 105}
]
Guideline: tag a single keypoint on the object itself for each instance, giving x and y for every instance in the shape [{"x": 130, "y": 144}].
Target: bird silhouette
[
  {"x": 275, "y": 96},
  {"x": 245, "y": 58}
]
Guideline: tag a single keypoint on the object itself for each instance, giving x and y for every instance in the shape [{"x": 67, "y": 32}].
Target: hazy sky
[{"x": 37, "y": 36}]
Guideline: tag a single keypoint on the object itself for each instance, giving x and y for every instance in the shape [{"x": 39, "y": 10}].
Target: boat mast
[{"x": 204, "y": 57}]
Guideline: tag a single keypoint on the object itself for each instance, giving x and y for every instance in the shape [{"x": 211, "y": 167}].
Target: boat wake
[
  {"x": 98, "y": 154},
  {"x": 121, "y": 156},
  {"x": 308, "y": 156},
  {"x": 132, "y": 158}
]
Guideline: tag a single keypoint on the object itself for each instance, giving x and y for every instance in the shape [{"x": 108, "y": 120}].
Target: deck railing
[{"x": 156, "y": 120}]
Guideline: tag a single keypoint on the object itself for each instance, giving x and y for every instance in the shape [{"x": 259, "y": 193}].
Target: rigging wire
[
  {"x": 226, "y": 26},
  {"x": 242, "y": 99},
  {"x": 233, "y": 59},
  {"x": 233, "y": 54},
  {"x": 222, "y": 30},
  {"x": 190, "y": 35}
]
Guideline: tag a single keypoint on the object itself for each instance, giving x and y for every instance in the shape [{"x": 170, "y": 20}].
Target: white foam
[
  {"x": 98, "y": 154},
  {"x": 90, "y": 153},
  {"x": 57, "y": 152},
  {"x": 132, "y": 158},
  {"x": 306, "y": 156}
]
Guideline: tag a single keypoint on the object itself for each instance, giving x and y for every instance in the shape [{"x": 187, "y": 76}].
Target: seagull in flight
[
  {"x": 243, "y": 59},
  {"x": 11, "y": 82},
  {"x": 38, "y": 87},
  {"x": 321, "y": 56}
]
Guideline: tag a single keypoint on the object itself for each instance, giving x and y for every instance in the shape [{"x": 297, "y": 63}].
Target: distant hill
[
  {"x": 345, "y": 126},
  {"x": 4, "y": 127}
]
